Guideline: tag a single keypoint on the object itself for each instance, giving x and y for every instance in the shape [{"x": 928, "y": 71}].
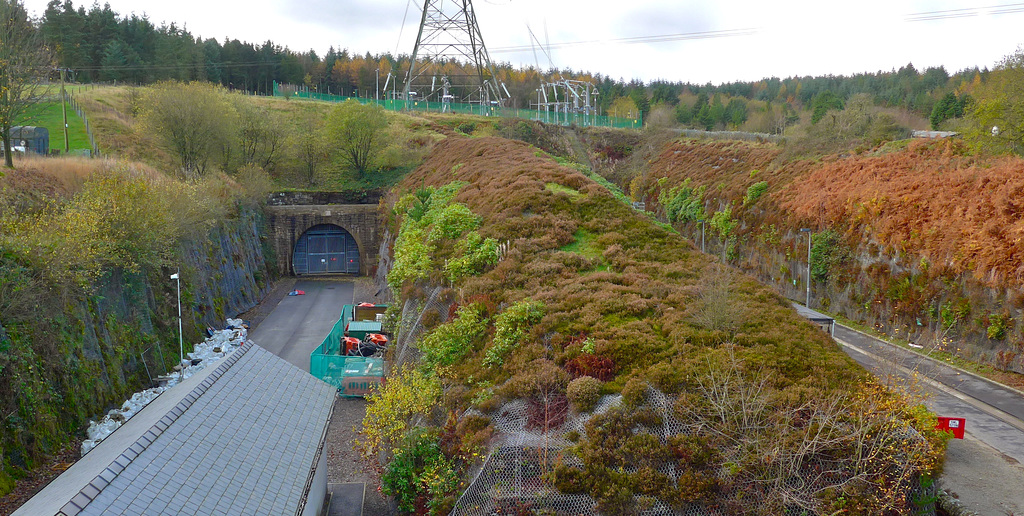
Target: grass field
[{"x": 48, "y": 115}]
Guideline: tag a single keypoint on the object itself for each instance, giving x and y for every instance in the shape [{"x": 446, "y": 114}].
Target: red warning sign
[{"x": 955, "y": 425}]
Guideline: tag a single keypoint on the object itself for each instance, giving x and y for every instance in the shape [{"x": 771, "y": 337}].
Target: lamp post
[
  {"x": 181, "y": 340},
  {"x": 701, "y": 235},
  {"x": 376, "y": 89},
  {"x": 808, "y": 231}
]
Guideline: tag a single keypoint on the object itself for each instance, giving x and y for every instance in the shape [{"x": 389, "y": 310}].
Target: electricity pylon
[{"x": 450, "y": 60}]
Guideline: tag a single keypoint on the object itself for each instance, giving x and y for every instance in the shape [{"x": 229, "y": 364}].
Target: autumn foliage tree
[{"x": 1000, "y": 104}]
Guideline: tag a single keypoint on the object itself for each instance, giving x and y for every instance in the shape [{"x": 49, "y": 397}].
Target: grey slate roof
[{"x": 243, "y": 442}]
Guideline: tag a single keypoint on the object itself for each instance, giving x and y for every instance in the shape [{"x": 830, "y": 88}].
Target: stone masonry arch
[{"x": 288, "y": 223}]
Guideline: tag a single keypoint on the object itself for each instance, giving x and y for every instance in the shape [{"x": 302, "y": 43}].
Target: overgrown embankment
[
  {"x": 918, "y": 239},
  {"x": 87, "y": 309},
  {"x": 582, "y": 357}
]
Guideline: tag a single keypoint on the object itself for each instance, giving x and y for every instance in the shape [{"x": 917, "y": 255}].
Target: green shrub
[
  {"x": 954, "y": 312},
  {"x": 425, "y": 208},
  {"x": 584, "y": 392},
  {"x": 473, "y": 254},
  {"x": 683, "y": 203},
  {"x": 420, "y": 474},
  {"x": 723, "y": 223},
  {"x": 412, "y": 257},
  {"x": 452, "y": 221},
  {"x": 998, "y": 324},
  {"x": 754, "y": 192},
  {"x": 510, "y": 327},
  {"x": 828, "y": 254},
  {"x": 446, "y": 344}
]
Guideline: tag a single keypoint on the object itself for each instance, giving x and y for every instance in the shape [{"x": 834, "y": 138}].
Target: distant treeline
[{"x": 98, "y": 44}]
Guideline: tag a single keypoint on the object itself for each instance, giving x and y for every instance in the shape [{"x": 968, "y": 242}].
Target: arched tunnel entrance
[{"x": 325, "y": 249}]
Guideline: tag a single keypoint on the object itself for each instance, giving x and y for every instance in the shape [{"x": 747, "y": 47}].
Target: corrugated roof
[{"x": 243, "y": 442}]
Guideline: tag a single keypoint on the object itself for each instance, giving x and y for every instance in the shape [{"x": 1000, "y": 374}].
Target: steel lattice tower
[{"x": 450, "y": 59}]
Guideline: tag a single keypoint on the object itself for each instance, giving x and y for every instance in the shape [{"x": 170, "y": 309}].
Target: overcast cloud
[{"x": 793, "y": 37}]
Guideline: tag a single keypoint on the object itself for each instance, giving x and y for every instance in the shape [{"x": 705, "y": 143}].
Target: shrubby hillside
[
  {"x": 541, "y": 316},
  {"x": 917, "y": 238}
]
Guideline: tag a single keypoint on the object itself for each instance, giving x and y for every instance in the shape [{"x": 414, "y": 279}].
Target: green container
[{"x": 360, "y": 329}]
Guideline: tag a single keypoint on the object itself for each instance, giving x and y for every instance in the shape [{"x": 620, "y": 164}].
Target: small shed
[
  {"x": 35, "y": 140},
  {"x": 934, "y": 134}
]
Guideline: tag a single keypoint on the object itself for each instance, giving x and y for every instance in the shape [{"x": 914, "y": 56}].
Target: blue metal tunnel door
[{"x": 325, "y": 249}]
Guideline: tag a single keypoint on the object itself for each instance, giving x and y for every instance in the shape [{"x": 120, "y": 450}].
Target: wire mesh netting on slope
[
  {"x": 514, "y": 478},
  {"x": 411, "y": 327}
]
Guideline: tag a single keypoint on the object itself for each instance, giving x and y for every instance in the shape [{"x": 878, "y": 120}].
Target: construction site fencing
[
  {"x": 548, "y": 117},
  {"x": 353, "y": 376}
]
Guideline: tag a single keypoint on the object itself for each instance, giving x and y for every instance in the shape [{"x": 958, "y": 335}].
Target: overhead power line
[
  {"x": 661, "y": 38},
  {"x": 950, "y": 14}
]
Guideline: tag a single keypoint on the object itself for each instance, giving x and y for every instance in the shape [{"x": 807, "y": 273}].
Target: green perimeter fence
[{"x": 548, "y": 117}]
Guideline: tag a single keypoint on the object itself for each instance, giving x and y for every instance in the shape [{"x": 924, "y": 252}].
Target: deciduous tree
[
  {"x": 24, "y": 63},
  {"x": 194, "y": 120},
  {"x": 357, "y": 131},
  {"x": 999, "y": 103},
  {"x": 310, "y": 146},
  {"x": 261, "y": 134}
]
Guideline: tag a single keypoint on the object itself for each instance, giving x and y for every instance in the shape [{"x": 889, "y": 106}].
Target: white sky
[{"x": 793, "y": 37}]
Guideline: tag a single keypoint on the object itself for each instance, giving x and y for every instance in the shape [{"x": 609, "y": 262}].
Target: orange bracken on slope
[{"x": 931, "y": 199}]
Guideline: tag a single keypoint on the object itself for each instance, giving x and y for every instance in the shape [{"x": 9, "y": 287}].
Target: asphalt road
[
  {"x": 299, "y": 324},
  {"x": 983, "y": 470},
  {"x": 994, "y": 413}
]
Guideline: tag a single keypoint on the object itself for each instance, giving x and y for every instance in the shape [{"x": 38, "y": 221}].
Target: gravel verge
[{"x": 344, "y": 460}]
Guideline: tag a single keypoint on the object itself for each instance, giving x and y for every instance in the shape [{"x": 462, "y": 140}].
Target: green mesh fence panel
[
  {"x": 353, "y": 376},
  {"x": 548, "y": 117}
]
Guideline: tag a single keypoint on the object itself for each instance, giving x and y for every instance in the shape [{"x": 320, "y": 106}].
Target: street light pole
[
  {"x": 808, "y": 231},
  {"x": 376, "y": 89},
  {"x": 181, "y": 339}
]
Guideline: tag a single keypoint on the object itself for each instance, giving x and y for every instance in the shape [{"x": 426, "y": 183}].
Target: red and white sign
[{"x": 954, "y": 425}]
